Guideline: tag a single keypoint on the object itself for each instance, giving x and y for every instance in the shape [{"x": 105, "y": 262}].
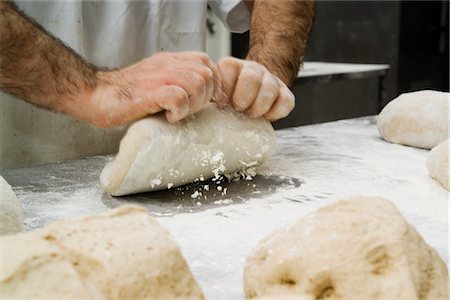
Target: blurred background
[{"x": 410, "y": 36}]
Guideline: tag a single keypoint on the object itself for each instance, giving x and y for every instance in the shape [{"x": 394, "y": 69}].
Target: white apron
[
  {"x": 108, "y": 34},
  {"x": 119, "y": 33}
]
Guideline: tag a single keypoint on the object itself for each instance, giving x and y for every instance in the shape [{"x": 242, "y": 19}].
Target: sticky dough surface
[
  {"x": 156, "y": 155},
  {"x": 120, "y": 254},
  {"x": 359, "y": 248},
  {"x": 419, "y": 119}
]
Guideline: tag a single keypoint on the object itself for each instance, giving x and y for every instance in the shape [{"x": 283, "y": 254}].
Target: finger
[
  {"x": 206, "y": 60},
  {"x": 284, "y": 104},
  {"x": 207, "y": 76},
  {"x": 267, "y": 95},
  {"x": 173, "y": 99},
  {"x": 195, "y": 86},
  {"x": 247, "y": 86},
  {"x": 229, "y": 69}
]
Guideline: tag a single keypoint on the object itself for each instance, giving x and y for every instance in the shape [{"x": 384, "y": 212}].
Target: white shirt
[
  {"x": 118, "y": 33},
  {"x": 109, "y": 34}
]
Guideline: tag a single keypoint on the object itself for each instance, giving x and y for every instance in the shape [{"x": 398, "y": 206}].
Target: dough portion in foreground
[
  {"x": 11, "y": 216},
  {"x": 120, "y": 254},
  {"x": 437, "y": 164},
  {"x": 156, "y": 155},
  {"x": 418, "y": 119},
  {"x": 360, "y": 248}
]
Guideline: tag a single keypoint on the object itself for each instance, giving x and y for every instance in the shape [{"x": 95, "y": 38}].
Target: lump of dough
[
  {"x": 360, "y": 248},
  {"x": 437, "y": 164},
  {"x": 11, "y": 217},
  {"x": 120, "y": 254},
  {"x": 156, "y": 155},
  {"x": 418, "y": 119}
]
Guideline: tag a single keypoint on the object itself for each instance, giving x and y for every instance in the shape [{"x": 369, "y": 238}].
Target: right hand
[{"x": 179, "y": 83}]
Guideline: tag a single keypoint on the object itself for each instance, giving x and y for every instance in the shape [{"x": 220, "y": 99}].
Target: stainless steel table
[
  {"x": 314, "y": 166},
  {"x": 323, "y": 72}
]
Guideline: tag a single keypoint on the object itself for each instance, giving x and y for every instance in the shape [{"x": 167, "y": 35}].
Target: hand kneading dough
[
  {"x": 419, "y": 119},
  {"x": 10, "y": 210},
  {"x": 121, "y": 254},
  {"x": 437, "y": 164},
  {"x": 355, "y": 249},
  {"x": 156, "y": 155}
]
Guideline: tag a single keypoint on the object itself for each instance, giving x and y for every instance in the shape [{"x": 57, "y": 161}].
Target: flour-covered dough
[
  {"x": 419, "y": 119},
  {"x": 360, "y": 248},
  {"x": 11, "y": 217},
  {"x": 120, "y": 254},
  {"x": 156, "y": 155},
  {"x": 437, "y": 164}
]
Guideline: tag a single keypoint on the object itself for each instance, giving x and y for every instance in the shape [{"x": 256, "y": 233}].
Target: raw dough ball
[
  {"x": 11, "y": 217},
  {"x": 156, "y": 155},
  {"x": 437, "y": 164},
  {"x": 360, "y": 248},
  {"x": 120, "y": 254},
  {"x": 418, "y": 119}
]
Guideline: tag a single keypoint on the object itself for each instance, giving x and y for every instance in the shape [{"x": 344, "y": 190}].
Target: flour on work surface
[
  {"x": 419, "y": 119},
  {"x": 212, "y": 144}
]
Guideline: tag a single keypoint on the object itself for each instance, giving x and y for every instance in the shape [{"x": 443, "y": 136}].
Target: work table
[{"x": 313, "y": 166}]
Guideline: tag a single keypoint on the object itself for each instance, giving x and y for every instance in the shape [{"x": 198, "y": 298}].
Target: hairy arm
[
  {"x": 278, "y": 35},
  {"x": 37, "y": 67},
  {"x": 40, "y": 69}
]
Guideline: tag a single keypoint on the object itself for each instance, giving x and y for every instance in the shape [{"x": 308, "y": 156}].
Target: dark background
[{"x": 411, "y": 36}]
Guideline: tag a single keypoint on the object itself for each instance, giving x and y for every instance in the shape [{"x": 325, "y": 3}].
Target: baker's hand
[
  {"x": 178, "y": 83},
  {"x": 250, "y": 88}
]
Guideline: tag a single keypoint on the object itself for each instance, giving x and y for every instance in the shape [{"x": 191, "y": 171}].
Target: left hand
[{"x": 250, "y": 88}]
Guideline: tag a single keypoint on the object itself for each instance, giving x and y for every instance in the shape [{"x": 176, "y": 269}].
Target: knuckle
[
  {"x": 229, "y": 62},
  {"x": 270, "y": 91},
  {"x": 254, "y": 75},
  {"x": 177, "y": 96},
  {"x": 207, "y": 74},
  {"x": 198, "y": 81},
  {"x": 203, "y": 57}
]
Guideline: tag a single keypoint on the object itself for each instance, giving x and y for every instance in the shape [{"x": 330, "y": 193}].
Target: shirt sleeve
[{"x": 233, "y": 13}]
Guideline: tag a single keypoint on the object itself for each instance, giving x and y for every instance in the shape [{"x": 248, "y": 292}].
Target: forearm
[
  {"x": 39, "y": 68},
  {"x": 278, "y": 35}
]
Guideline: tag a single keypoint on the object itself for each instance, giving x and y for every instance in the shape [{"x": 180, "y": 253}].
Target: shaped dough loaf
[
  {"x": 155, "y": 155},
  {"x": 437, "y": 164},
  {"x": 419, "y": 119},
  {"x": 11, "y": 217},
  {"x": 361, "y": 248},
  {"x": 120, "y": 254}
]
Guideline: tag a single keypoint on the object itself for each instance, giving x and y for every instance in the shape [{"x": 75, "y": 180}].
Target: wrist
[
  {"x": 95, "y": 104},
  {"x": 81, "y": 106}
]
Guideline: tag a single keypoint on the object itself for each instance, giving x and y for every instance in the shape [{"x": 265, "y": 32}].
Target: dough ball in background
[
  {"x": 360, "y": 248},
  {"x": 11, "y": 216},
  {"x": 120, "y": 254},
  {"x": 155, "y": 155},
  {"x": 437, "y": 164},
  {"x": 418, "y": 119}
]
